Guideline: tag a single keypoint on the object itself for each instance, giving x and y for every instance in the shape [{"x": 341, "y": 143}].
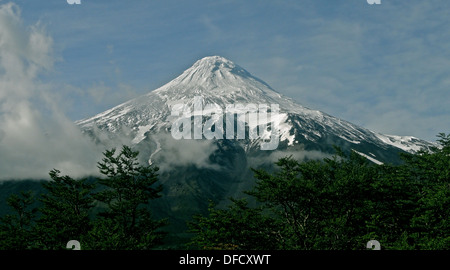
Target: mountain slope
[
  {"x": 194, "y": 171},
  {"x": 219, "y": 81}
]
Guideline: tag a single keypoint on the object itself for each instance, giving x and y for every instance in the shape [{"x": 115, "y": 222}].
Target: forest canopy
[{"x": 337, "y": 203}]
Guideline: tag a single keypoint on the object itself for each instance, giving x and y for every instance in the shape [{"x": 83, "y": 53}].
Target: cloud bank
[
  {"x": 182, "y": 152},
  {"x": 35, "y": 136}
]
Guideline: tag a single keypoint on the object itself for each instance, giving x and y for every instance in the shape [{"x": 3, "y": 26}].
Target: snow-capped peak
[
  {"x": 215, "y": 76},
  {"x": 219, "y": 81},
  {"x": 213, "y": 62},
  {"x": 213, "y": 65}
]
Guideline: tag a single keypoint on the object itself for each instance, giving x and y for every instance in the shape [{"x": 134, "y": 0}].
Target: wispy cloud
[
  {"x": 384, "y": 68},
  {"x": 178, "y": 153},
  {"x": 35, "y": 136}
]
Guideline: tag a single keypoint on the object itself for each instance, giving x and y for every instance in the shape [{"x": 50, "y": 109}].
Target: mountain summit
[
  {"x": 218, "y": 80},
  {"x": 212, "y": 72}
]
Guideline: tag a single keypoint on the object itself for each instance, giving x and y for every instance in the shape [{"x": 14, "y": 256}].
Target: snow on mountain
[
  {"x": 406, "y": 143},
  {"x": 194, "y": 172},
  {"x": 221, "y": 82},
  {"x": 369, "y": 158}
]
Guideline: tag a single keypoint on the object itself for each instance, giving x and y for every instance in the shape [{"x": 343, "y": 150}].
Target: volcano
[{"x": 197, "y": 170}]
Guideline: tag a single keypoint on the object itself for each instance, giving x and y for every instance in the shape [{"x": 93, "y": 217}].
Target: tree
[
  {"x": 292, "y": 199},
  {"x": 65, "y": 211},
  {"x": 341, "y": 203},
  {"x": 318, "y": 204},
  {"x": 16, "y": 230},
  {"x": 430, "y": 225},
  {"x": 126, "y": 222},
  {"x": 237, "y": 227}
]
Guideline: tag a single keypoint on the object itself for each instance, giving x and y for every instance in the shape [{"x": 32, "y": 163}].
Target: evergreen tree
[
  {"x": 65, "y": 211},
  {"x": 234, "y": 228},
  {"x": 127, "y": 188},
  {"x": 317, "y": 204},
  {"x": 16, "y": 230},
  {"x": 430, "y": 225},
  {"x": 341, "y": 203}
]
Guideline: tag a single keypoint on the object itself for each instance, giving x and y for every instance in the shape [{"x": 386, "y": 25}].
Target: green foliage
[
  {"x": 238, "y": 227},
  {"x": 340, "y": 204},
  {"x": 16, "y": 229},
  {"x": 127, "y": 222},
  {"x": 64, "y": 212},
  {"x": 67, "y": 210},
  {"x": 337, "y": 203}
]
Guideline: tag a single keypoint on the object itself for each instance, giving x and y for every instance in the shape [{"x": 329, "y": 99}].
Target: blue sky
[{"x": 385, "y": 67}]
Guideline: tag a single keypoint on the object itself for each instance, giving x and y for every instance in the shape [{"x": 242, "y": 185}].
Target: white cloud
[
  {"x": 35, "y": 136},
  {"x": 183, "y": 152}
]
